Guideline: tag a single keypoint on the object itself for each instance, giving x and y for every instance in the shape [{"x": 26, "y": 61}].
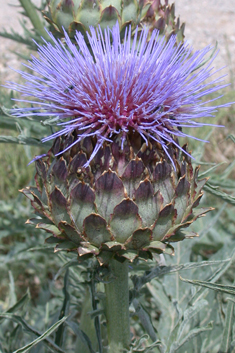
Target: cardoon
[{"x": 117, "y": 184}]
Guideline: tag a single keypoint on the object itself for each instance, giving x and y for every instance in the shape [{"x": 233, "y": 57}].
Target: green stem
[
  {"x": 31, "y": 12},
  {"x": 97, "y": 319},
  {"x": 87, "y": 326},
  {"x": 117, "y": 308}
]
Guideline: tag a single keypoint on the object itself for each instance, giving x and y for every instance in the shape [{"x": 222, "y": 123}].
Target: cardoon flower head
[
  {"x": 116, "y": 183},
  {"x": 109, "y": 88}
]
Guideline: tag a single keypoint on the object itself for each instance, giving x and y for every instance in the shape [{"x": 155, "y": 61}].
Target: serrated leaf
[
  {"x": 222, "y": 195},
  {"x": 215, "y": 276},
  {"x": 227, "y": 332},
  {"x": 193, "y": 333},
  {"x": 189, "y": 314},
  {"x": 31, "y": 330},
  {"x": 18, "y": 38},
  {"x": 139, "y": 345},
  {"x": 25, "y": 299},
  {"x": 22, "y": 140},
  {"x": 159, "y": 271},
  {"x": 217, "y": 287}
]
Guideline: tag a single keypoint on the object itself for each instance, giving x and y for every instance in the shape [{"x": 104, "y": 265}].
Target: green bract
[
  {"x": 79, "y": 15},
  {"x": 126, "y": 203}
]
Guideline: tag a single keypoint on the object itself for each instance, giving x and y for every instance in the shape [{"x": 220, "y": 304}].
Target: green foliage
[
  {"x": 50, "y": 303},
  {"x": 34, "y": 15}
]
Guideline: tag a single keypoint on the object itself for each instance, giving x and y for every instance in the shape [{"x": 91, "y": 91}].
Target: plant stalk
[
  {"x": 117, "y": 308},
  {"x": 31, "y": 12}
]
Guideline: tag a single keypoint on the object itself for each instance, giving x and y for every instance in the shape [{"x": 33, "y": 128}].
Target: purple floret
[{"x": 148, "y": 86}]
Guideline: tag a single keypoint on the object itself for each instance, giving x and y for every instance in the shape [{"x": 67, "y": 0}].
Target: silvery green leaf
[
  {"x": 81, "y": 335},
  {"x": 60, "y": 333},
  {"x": 145, "y": 319},
  {"x": 217, "y": 287},
  {"x": 31, "y": 330},
  {"x": 227, "y": 332},
  {"x": 189, "y": 336},
  {"x": 189, "y": 314},
  {"x": 214, "y": 191}
]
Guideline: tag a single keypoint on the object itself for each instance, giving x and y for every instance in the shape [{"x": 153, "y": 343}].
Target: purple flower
[{"x": 112, "y": 88}]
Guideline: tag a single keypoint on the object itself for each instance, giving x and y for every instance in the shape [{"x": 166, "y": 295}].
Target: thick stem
[{"x": 117, "y": 308}]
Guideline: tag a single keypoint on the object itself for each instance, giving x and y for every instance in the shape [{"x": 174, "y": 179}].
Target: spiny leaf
[
  {"x": 159, "y": 271},
  {"x": 189, "y": 314},
  {"x": 216, "y": 275},
  {"x": 139, "y": 346},
  {"x": 22, "y": 140},
  {"x": 20, "y": 303},
  {"x": 208, "y": 171},
  {"x": 226, "y": 338},
  {"x": 31, "y": 330},
  {"x": 217, "y": 287},
  {"x": 190, "y": 335},
  {"x": 222, "y": 195},
  {"x": 18, "y": 38}
]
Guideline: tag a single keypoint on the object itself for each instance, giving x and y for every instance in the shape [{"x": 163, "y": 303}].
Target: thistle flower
[
  {"x": 117, "y": 183},
  {"x": 109, "y": 88}
]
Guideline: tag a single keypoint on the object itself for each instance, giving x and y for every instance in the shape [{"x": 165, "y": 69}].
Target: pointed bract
[{"x": 101, "y": 216}]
